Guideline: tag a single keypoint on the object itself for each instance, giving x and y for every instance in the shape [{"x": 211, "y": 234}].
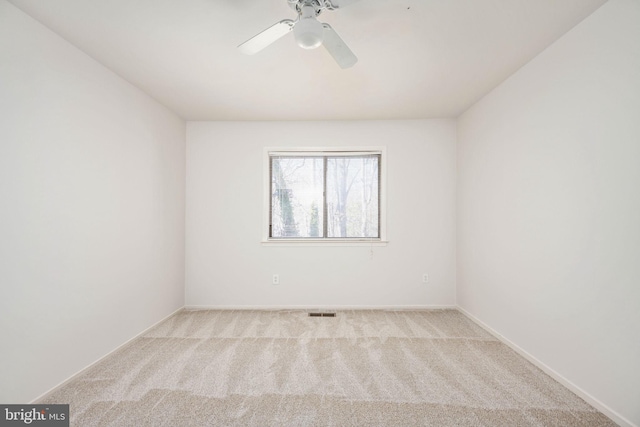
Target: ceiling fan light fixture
[
  {"x": 307, "y": 30},
  {"x": 308, "y": 33}
]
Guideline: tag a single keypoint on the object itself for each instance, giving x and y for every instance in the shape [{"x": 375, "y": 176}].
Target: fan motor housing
[{"x": 297, "y": 5}]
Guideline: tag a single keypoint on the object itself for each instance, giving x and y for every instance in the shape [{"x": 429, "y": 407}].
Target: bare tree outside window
[
  {"x": 329, "y": 196},
  {"x": 296, "y": 184}
]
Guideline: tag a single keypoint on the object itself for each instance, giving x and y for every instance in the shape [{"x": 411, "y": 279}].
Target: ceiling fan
[{"x": 308, "y": 31}]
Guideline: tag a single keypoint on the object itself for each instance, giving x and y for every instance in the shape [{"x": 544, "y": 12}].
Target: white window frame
[{"x": 323, "y": 241}]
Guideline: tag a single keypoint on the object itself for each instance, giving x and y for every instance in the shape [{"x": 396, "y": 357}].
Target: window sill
[{"x": 324, "y": 242}]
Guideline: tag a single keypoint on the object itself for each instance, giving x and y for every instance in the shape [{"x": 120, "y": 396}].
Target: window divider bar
[{"x": 325, "y": 209}]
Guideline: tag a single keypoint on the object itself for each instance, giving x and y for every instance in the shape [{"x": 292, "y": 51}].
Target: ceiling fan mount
[
  {"x": 317, "y": 5},
  {"x": 308, "y": 31}
]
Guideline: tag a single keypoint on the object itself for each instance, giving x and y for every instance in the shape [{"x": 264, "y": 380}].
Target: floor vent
[{"x": 322, "y": 315}]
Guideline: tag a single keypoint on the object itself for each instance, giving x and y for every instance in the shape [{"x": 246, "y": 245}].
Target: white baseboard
[
  {"x": 72, "y": 377},
  {"x": 320, "y": 307},
  {"x": 613, "y": 415}
]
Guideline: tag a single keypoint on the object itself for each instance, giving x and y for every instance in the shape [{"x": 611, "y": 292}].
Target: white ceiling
[{"x": 417, "y": 58}]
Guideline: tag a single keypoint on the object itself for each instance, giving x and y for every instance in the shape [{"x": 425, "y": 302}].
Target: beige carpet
[{"x": 283, "y": 368}]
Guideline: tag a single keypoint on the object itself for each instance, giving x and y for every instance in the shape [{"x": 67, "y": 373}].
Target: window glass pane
[
  {"x": 352, "y": 196},
  {"x": 296, "y": 196}
]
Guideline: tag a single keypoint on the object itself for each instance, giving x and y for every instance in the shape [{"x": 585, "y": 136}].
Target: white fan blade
[
  {"x": 260, "y": 41},
  {"x": 336, "y": 47},
  {"x": 338, "y": 4}
]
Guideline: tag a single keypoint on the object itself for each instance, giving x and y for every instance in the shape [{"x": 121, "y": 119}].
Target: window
[{"x": 324, "y": 195}]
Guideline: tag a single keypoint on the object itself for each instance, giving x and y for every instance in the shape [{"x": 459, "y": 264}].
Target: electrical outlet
[
  {"x": 425, "y": 278},
  {"x": 276, "y": 279}
]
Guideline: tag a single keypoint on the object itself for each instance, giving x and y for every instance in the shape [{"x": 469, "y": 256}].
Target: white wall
[
  {"x": 227, "y": 265},
  {"x": 91, "y": 209},
  {"x": 549, "y": 208}
]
